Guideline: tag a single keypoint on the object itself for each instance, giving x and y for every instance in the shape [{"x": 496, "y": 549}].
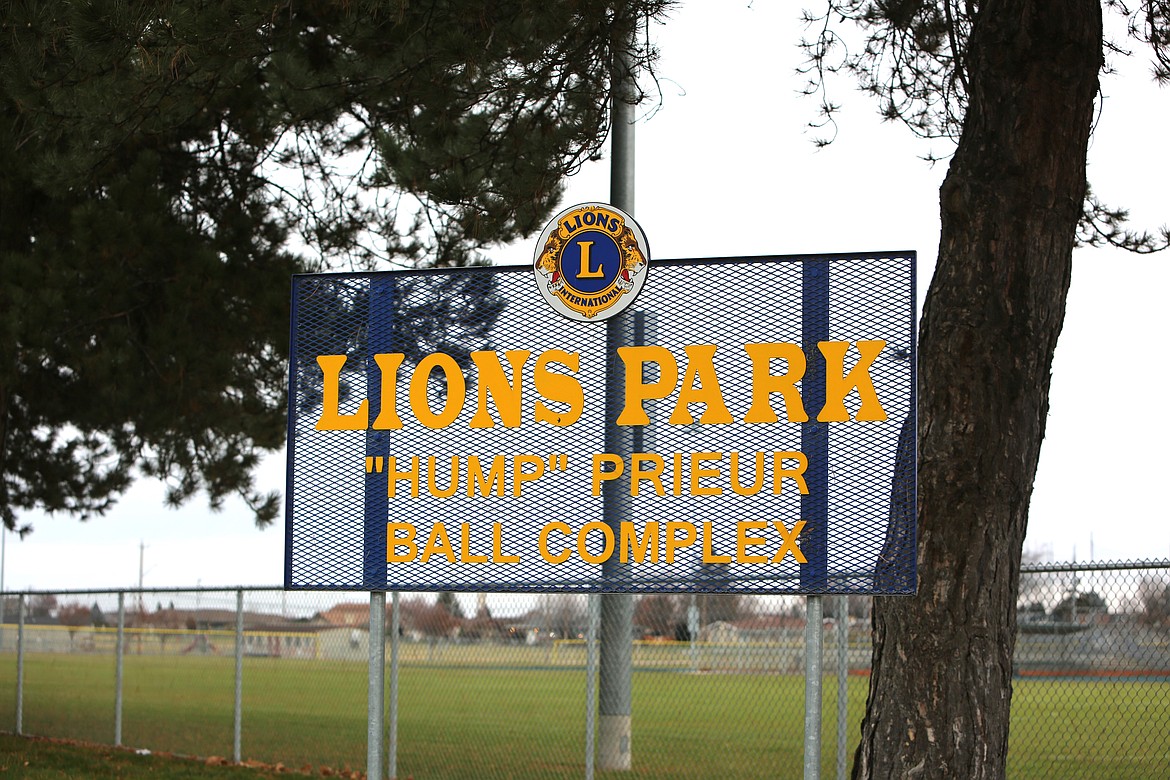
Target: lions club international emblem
[{"x": 591, "y": 262}]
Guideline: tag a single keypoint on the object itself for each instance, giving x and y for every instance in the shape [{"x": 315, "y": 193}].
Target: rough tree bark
[{"x": 942, "y": 661}]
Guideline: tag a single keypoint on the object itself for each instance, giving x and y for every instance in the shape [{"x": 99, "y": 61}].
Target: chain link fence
[{"x": 494, "y": 685}]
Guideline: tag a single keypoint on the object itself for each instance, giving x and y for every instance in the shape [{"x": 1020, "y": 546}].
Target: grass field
[
  {"x": 470, "y": 723},
  {"x": 42, "y": 759}
]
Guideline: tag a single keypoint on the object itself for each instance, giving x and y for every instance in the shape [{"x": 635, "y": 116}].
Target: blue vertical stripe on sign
[
  {"x": 814, "y": 435},
  {"x": 381, "y": 338}
]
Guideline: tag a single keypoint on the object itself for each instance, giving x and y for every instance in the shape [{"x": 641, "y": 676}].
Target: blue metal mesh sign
[{"x": 746, "y": 426}]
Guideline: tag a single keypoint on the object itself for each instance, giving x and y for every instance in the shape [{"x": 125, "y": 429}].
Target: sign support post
[
  {"x": 594, "y": 601},
  {"x": 392, "y": 738},
  {"x": 377, "y": 692},
  {"x": 813, "y": 651},
  {"x": 842, "y": 684}
]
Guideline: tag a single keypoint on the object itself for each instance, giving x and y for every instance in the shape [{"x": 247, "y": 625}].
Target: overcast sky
[{"x": 728, "y": 149}]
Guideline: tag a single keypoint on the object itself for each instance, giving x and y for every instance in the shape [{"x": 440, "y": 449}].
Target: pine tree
[{"x": 165, "y": 167}]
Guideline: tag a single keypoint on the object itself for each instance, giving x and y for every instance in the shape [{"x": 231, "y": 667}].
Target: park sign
[{"x": 736, "y": 425}]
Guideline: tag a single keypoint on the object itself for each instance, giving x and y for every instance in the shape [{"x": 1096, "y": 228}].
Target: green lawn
[
  {"x": 41, "y": 759},
  {"x": 472, "y": 723}
]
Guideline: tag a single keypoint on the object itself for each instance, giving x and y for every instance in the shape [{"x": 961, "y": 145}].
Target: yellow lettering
[
  {"x": 765, "y": 383},
  {"x": 542, "y": 542},
  {"x": 492, "y": 381},
  {"x": 651, "y": 374},
  {"x": 788, "y": 542},
  {"x": 520, "y": 476},
  {"x": 796, "y": 474},
  {"x": 485, "y": 486},
  {"x": 744, "y": 540},
  {"x": 674, "y": 542},
  {"x": 394, "y": 541},
  {"x": 438, "y": 544},
  {"x": 698, "y": 472},
  {"x": 331, "y": 418},
  {"x": 600, "y": 474},
  {"x": 453, "y": 400},
  {"x": 607, "y": 546},
  {"x": 393, "y": 475},
  {"x": 465, "y": 555},
  {"x": 638, "y": 391},
  {"x": 758, "y": 479},
  {"x": 653, "y": 475},
  {"x": 433, "y": 482},
  {"x": 498, "y": 546},
  {"x": 700, "y": 366},
  {"x": 558, "y": 387},
  {"x": 632, "y": 547},
  {"x": 586, "y": 271},
  {"x": 388, "y": 419},
  {"x": 837, "y": 387},
  {"x": 709, "y": 555}
]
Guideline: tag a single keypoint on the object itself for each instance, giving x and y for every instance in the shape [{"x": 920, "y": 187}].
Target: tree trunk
[{"x": 941, "y": 686}]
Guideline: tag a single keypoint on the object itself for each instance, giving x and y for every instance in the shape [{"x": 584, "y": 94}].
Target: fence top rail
[
  {"x": 1027, "y": 568},
  {"x": 1049, "y": 568},
  {"x": 144, "y": 591}
]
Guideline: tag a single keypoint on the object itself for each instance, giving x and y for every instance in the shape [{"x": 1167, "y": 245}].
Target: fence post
[
  {"x": 842, "y": 684},
  {"x": 693, "y": 632},
  {"x": 20, "y": 665},
  {"x": 119, "y": 651},
  {"x": 238, "y": 715}
]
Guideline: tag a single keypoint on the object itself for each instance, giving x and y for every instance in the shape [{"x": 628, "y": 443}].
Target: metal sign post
[
  {"x": 376, "y": 696},
  {"x": 813, "y": 657},
  {"x": 591, "y": 683},
  {"x": 842, "y": 685}
]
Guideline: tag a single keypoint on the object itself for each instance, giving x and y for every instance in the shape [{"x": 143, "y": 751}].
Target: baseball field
[{"x": 470, "y": 721}]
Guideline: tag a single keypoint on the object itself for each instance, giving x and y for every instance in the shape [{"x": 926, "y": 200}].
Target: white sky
[{"x": 728, "y": 150}]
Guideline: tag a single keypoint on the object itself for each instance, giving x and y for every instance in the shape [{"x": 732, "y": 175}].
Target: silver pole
[
  {"x": 238, "y": 719},
  {"x": 813, "y": 650},
  {"x": 119, "y": 651},
  {"x": 617, "y": 609},
  {"x": 621, "y": 163},
  {"x": 842, "y": 684},
  {"x": 591, "y": 681},
  {"x": 20, "y": 665},
  {"x": 392, "y": 736},
  {"x": 377, "y": 691}
]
